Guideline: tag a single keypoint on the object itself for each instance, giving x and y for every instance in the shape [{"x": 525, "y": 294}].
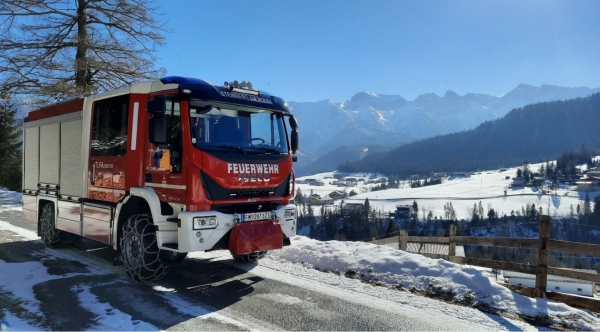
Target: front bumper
[{"x": 190, "y": 239}]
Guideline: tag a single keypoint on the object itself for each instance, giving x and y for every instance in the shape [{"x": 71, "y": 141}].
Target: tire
[
  {"x": 139, "y": 249},
  {"x": 249, "y": 258},
  {"x": 52, "y": 237},
  {"x": 172, "y": 257}
]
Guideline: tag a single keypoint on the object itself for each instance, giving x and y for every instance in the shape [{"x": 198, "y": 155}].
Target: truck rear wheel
[
  {"x": 139, "y": 249},
  {"x": 251, "y": 257},
  {"x": 52, "y": 237}
]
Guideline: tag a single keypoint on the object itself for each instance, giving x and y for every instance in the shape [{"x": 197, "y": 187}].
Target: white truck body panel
[
  {"x": 71, "y": 183},
  {"x": 31, "y": 155}
]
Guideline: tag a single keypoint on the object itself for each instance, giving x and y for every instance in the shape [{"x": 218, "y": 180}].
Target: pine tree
[
  {"x": 415, "y": 211},
  {"x": 366, "y": 209},
  {"x": 597, "y": 208},
  {"x": 446, "y": 214},
  {"x": 452, "y": 211},
  {"x": 572, "y": 213},
  {"x": 10, "y": 147},
  {"x": 587, "y": 208},
  {"x": 391, "y": 227},
  {"x": 533, "y": 212}
]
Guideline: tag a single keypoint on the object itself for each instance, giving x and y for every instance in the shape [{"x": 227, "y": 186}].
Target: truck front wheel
[
  {"x": 52, "y": 237},
  {"x": 251, "y": 257},
  {"x": 139, "y": 249}
]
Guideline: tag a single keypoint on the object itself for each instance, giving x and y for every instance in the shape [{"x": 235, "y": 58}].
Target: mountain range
[
  {"x": 333, "y": 133},
  {"x": 533, "y": 133}
]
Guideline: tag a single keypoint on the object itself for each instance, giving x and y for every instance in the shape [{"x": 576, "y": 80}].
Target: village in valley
[{"x": 506, "y": 202}]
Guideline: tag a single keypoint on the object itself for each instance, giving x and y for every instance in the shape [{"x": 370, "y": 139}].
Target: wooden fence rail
[{"x": 543, "y": 245}]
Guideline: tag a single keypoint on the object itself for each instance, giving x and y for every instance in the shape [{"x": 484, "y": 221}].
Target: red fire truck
[{"x": 160, "y": 169}]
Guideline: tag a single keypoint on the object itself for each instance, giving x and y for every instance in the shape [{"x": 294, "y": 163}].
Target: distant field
[{"x": 487, "y": 187}]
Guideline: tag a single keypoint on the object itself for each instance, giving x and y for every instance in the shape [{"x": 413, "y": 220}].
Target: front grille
[
  {"x": 250, "y": 193},
  {"x": 215, "y": 191}
]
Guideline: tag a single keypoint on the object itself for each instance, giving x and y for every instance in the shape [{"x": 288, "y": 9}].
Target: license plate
[{"x": 256, "y": 216}]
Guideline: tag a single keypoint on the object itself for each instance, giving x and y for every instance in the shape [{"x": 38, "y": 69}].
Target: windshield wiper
[
  {"x": 266, "y": 148},
  {"x": 231, "y": 147}
]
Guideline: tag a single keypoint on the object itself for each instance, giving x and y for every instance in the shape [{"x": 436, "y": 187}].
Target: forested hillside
[{"x": 533, "y": 133}]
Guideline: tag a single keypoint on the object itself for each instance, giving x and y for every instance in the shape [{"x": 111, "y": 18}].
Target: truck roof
[{"x": 192, "y": 87}]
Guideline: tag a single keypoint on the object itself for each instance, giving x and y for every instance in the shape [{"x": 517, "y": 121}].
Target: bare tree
[{"x": 56, "y": 49}]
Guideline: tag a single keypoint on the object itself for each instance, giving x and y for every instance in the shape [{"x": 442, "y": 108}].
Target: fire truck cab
[{"x": 161, "y": 169}]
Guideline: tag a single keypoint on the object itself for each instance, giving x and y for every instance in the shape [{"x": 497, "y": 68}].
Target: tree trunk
[{"x": 81, "y": 66}]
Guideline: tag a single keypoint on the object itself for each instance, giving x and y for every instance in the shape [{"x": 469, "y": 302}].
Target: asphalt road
[{"x": 196, "y": 295}]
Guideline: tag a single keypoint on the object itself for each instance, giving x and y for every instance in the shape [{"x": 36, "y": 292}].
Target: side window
[
  {"x": 173, "y": 125},
  {"x": 109, "y": 126},
  {"x": 174, "y": 137}
]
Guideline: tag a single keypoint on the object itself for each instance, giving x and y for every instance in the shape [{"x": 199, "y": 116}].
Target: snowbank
[{"x": 438, "y": 278}]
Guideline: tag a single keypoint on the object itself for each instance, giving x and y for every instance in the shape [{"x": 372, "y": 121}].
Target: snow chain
[{"x": 140, "y": 251}]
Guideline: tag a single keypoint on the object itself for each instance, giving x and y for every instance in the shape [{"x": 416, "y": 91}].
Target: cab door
[{"x": 165, "y": 168}]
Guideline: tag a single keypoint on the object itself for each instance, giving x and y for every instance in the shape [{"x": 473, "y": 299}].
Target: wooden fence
[{"x": 543, "y": 244}]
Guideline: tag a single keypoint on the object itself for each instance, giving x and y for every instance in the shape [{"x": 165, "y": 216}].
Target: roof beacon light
[{"x": 244, "y": 87}]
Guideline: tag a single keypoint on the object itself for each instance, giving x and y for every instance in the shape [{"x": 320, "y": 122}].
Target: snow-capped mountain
[{"x": 370, "y": 119}]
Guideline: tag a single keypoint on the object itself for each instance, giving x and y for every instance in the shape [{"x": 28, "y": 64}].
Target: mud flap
[{"x": 249, "y": 237}]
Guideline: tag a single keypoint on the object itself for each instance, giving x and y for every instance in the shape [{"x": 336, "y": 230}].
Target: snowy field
[{"x": 487, "y": 187}]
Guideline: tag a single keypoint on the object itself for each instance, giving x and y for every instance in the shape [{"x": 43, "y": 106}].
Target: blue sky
[{"x": 309, "y": 50}]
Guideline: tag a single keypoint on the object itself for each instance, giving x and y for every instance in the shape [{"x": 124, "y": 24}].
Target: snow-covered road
[{"x": 311, "y": 285}]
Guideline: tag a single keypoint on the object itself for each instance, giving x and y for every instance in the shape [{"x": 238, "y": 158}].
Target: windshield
[{"x": 246, "y": 130}]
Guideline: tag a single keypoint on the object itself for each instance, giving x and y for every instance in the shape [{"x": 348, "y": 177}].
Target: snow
[
  {"x": 320, "y": 264},
  {"x": 12, "y": 322},
  {"x": 186, "y": 307},
  {"x": 9, "y": 200},
  {"x": 20, "y": 278},
  {"x": 382, "y": 264},
  {"x": 487, "y": 187},
  {"x": 108, "y": 318}
]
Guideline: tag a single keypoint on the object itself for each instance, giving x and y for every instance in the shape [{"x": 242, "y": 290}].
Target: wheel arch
[{"x": 140, "y": 200}]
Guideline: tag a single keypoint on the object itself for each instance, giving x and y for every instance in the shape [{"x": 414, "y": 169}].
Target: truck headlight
[
  {"x": 205, "y": 222},
  {"x": 290, "y": 214}
]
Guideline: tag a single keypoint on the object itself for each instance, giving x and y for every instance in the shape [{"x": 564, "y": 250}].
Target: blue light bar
[{"x": 182, "y": 80}]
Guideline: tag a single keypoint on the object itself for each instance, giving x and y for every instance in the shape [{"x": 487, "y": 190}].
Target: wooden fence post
[
  {"x": 541, "y": 279},
  {"x": 402, "y": 239},
  {"x": 451, "y": 241}
]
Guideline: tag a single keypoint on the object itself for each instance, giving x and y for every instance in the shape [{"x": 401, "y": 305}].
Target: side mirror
[
  {"x": 294, "y": 134},
  {"x": 157, "y": 106},
  {"x": 157, "y": 124},
  {"x": 294, "y": 141},
  {"x": 293, "y": 122}
]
